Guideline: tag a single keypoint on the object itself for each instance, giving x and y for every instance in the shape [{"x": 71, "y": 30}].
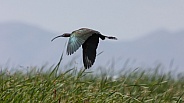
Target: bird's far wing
[
  {"x": 74, "y": 43},
  {"x": 89, "y": 50}
]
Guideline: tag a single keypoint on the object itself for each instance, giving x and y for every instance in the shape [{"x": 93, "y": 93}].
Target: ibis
[{"x": 89, "y": 40}]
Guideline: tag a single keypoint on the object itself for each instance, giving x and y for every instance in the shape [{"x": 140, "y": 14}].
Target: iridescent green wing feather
[
  {"x": 77, "y": 38},
  {"x": 74, "y": 43}
]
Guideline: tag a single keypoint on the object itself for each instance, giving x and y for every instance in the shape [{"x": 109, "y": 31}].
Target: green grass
[{"x": 36, "y": 86}]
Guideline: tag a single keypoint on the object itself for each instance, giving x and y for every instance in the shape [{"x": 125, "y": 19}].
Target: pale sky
[{"x": 126, "y": 19}]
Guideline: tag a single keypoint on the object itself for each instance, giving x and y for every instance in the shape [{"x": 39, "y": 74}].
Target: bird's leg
[
  {"x": 111, "y": 37},
  {"x": 108, "y": 37}
]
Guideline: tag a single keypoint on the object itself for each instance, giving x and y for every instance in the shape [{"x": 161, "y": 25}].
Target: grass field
[{"x": 36, "y": 86}]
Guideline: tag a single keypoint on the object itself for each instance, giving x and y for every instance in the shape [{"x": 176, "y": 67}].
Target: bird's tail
[{"x": 111, "y": 37}]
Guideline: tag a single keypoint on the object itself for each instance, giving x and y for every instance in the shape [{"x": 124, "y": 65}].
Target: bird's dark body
[{"x": 89, "y": 40}]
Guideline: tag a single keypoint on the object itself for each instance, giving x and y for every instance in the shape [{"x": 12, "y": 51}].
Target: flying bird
[{"x": 89, "y": 40}]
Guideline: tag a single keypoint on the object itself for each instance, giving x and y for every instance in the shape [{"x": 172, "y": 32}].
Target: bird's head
[{"x": 63, "y": 35}]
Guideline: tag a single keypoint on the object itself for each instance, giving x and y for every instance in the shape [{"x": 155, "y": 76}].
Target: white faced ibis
[{"x": 89, "y": 40}]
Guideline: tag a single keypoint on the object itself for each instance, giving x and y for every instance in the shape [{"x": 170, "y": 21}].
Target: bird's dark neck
[{"x": 67, "y": 34}]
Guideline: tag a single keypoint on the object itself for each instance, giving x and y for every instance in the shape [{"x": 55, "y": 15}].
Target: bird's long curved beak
[{"x": 57, "y": 37}]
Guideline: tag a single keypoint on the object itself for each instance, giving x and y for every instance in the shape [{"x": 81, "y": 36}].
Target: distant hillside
[
  {"x": 157, "y": 47},
  {"x": 24, "y": 44}
]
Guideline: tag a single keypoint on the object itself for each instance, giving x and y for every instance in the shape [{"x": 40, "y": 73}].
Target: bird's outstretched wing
[
  {"x": 74, "y": 43},
  {"x": 89, "y": 50},
  {"x": 77, "y": 38}
]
